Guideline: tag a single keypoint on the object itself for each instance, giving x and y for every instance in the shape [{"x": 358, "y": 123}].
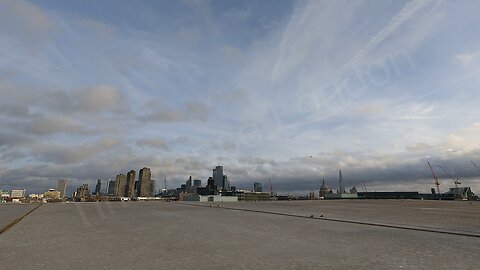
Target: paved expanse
[
  {"x": 179, "y": 236},
  {"x": 455, "y": 216},
  {"x": 10, "y": 212}
]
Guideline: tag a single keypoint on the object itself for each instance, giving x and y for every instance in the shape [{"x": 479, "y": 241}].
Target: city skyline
[{"x": 288, "y": 90}]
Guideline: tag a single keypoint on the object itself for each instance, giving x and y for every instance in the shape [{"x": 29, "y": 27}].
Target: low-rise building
[
  {"x": 4, "y": 194},
  {"x": 17, "y": 193},
  {"x": 209, "y": 198},
  {"x": 253, "y": 196},
  {"x": 52, "y": 194},
  {"x": 334, "y": 196}
]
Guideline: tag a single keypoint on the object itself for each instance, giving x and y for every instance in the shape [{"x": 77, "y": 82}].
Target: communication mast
[{"x": 436, "y": 179}]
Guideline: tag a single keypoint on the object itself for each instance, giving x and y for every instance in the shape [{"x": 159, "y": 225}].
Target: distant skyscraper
[
  {"x": 98, "y": 187},
  {"x": 137, "y": 188},
  {"x": 82, "y": 191},
  {"x": 62, "y": 187},
  {"x": 111, "y": 187},
  {"x": 197, "y": 183},
  {"x": 340, "y": 182},
  {"x": 145, "y": 185},
  {"x": 120, "y": 184},
  {"x": 153, "y": 184},
  {"x": 211, "y": 184},
  {"x": 189, "y": 183},
  {"x": 226, "y": 183},
  {"x": 218, "y": 177},
  {"x": 131, "y": 183},
  {"x": 257, "y": 187}
]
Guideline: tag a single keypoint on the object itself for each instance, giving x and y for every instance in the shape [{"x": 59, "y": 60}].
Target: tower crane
[
  {"x": 455, "y": 179},
  {"x": 436, "y": 180}
]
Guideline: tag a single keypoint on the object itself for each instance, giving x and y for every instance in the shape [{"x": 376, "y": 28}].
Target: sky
[{"x": 288, "y": 90}]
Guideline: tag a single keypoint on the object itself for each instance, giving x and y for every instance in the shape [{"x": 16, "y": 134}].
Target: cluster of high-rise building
[
  {"x": 216, "y": 188},
  {"x": 123, "y": 186},
  {"x": 216, "y": 183}
]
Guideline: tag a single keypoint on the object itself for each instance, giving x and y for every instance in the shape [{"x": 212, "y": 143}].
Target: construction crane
[
  {"x": 455, "y": 180},
  {"x": 364, "y": 186},
  {"x": 436, "y": 180}
]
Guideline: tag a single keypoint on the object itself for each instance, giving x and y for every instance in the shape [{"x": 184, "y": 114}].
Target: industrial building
[{"x": 388, "y": 195}]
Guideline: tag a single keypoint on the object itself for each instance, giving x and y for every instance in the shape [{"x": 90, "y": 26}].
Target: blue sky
[{"x": 292, "y": 90}]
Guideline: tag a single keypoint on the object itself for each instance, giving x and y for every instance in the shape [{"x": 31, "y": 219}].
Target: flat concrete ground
[
  {"x": 10, "y": 212},
  {"x": 457, "y": 216},
  {"x": 178, "y": 236}
]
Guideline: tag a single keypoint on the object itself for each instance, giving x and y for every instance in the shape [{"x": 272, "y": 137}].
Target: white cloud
[{"x": 467, "y": 58}]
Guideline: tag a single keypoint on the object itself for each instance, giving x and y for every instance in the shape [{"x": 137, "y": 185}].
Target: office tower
[
  {"x": 211, "y": 184},
  {"x": 153, "y": 184},
  {"x": 130, "y": 192},
  {"x": 197, "y": 183},
  {"x": 226, "y": 183},
  {"x": 137, "y": 188},
  {"x": 120, "y": 183},
  {"x": 111, "y": 187},
  {"x": 144, "y": 178},
  {"x": 257, "y": 187},
  {"x": 340, "y": 182},
  {"x": 62, "y": 187},
  {"x": 218, "y": 177},
  {"x": 98, "y": 187},
  {"x": 82, "y": 191},
  {"x": 189, "y": 183}
]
